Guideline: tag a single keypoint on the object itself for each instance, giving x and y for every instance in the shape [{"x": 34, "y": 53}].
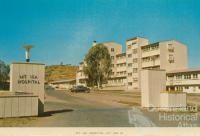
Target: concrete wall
[
  {"x": 172, "y": 100},
  {"x": 18, "y": 106},
  {"x": 28, "y": 77},
  {"x": 152, "y": 82},
  {"x": 179, "y": 54}
]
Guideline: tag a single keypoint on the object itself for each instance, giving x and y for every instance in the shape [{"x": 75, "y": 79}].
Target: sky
[{"x": 63, "y": 30}]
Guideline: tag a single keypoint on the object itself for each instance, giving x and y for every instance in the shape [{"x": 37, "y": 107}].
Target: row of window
[
  {"x": 181, "y": 88},
  {"x": 121, "y": 73},
  {"x": 117, "y": 81},
  {"x": 186, "y": 76},
  {"x": 152, "y": 58},
  {"x": 121, "y": 64},
  {"x": 150, "y": 48},
  {"x": 130, "y": 45}
]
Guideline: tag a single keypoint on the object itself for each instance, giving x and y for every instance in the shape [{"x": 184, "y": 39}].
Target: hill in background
[{"x": 60, "y": 72}]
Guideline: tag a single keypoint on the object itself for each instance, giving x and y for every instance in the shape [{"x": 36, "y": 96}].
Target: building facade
[
  {"x": 168, "y": 55},
  {"x": 185, "y": 80}
]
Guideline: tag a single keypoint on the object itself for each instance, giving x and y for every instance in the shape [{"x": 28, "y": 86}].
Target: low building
[
  {"x": 63, "y": 84},
  {"x": 185, "y": 80}
]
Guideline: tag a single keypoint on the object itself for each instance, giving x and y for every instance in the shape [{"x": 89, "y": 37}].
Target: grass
[{"x": 13, "y": 122}]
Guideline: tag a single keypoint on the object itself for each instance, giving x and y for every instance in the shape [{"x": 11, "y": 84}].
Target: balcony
[
  {"x": 151, "y": 53},
  {"x": 121, "y": 60},
  {"x": 183, "y": 82},
  {"x": 151, "y": 63},
  {"x": 123, "y": 68}
]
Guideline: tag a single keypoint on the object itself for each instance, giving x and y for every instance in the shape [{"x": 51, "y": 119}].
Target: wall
[
  {"x": 18, "y": 106},
  {"x": 152, "y": 82},
  {"x": 28, "y": 77},
  {"x": 179, "y": 54},
  {"x": 173, "y": 101}
]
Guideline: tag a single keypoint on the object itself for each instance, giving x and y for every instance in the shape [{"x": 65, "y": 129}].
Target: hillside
[{"x": 60, "y": 72}]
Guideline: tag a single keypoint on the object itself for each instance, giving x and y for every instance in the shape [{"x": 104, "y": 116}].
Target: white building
[
  {"x": 185, "y": 80},
  {"x": 63, "y": 84},
  {"x": 168, "y": 55}
]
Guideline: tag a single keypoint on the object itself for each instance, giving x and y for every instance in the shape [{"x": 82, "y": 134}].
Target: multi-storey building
[
  {"x": 114, "y": 49},
  {"x": 169, "y": 55},
  {"x": 133, "y": 54},
  {"x": 119, "y": 79},
  {"x": 185, "y": 80}
]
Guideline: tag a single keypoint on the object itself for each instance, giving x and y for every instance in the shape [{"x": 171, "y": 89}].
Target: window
[
  {"x": 134, "y": 60},
  {"x": 129, "y": 64},
  {"x": 112, "y": 49},
  {"x": 134, "y": 43},
  {"x": 112, "y": 57},
  {"x": 130, "y": 83},
  {"x": 195, "y": 76},
  {"x": 171, "y": 58},
  {"x": 199, "y": 87},
  {"x": 147, "y": 59},
  {"x": 129, "y": 55},
  {"x": 129, "y": 46},
  {"x": 134, "y": 51},
  {"x": 112, "y": 65},
  {"x": 186, "y": 87},
  {"x": 134, "y": 70},
  {"x": 170, "y": 48},
  {"x": 154, "y": 47},
  {"x": 178, "y": 76},
  {"x": 129, "y": 74},
  {"x": 170, "y": 77},
  {"x": 187, "y": 76}
]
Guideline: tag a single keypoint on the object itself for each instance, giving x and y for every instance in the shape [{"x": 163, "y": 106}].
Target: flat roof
[
  {"x": 134, "y": 38},
  {"x": 63, "y": 81},
  {"x": 151, "y": 44},
  {"x": 108, "y": 42},
  {"x": 184, "y": 70},
  {"x": 28, "y": 63}
]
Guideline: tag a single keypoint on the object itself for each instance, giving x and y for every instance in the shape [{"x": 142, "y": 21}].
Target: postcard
[{"x": 99, "y": 67}]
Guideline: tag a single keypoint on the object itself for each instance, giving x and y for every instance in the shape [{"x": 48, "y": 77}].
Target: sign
[{"x": 29, "y": 78}]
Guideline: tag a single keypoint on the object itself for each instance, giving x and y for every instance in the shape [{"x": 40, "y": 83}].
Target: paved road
[{"x": 63, "y": 109}]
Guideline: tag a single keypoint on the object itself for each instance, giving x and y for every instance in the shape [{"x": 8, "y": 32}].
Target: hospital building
[{"x": 169, "y": 55}]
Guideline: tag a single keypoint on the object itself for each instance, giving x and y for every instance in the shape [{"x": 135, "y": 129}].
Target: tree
[
  {"x": 4, "y": 72},
  {"x": 98, "y": 65}
]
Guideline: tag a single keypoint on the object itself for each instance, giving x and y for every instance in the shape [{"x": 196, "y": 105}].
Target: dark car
[{"x": 80, "y": 88}]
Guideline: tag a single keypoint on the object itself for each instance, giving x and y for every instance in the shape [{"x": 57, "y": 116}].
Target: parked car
[{"x": 80, "y": 88}]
